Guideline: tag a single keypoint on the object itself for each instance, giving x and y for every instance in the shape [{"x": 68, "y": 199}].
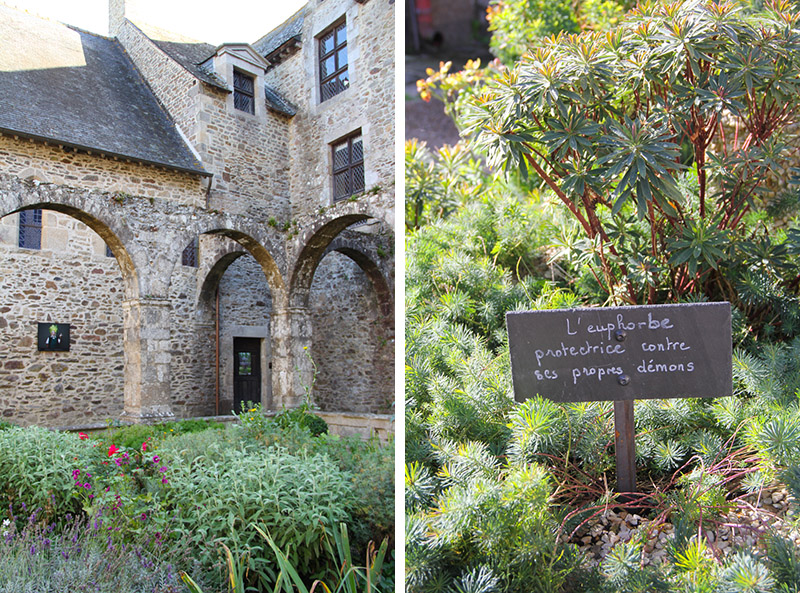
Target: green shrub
[
  {"x": 134, "y": 435},
  {"x": 220, "y": 494},
  {"x": 36, "y": 469},
  {"x": 303, "y": 418},
  {"x": 370, "y": 465}
]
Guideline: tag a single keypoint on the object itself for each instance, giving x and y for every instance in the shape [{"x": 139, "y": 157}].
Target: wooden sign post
[{"x": 622, "y": 354}]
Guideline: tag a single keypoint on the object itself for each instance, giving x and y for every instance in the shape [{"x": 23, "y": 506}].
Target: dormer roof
[{"x": 283, "y": 39}]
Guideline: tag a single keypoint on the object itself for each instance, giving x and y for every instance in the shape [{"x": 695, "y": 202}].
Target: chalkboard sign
[{"x": 622, "y": 353}]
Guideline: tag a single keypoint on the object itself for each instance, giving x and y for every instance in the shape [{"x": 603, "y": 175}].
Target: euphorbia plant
[{"x": 657, "y": 137}]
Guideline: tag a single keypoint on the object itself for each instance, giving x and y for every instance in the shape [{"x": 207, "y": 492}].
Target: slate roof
[
  {"x": 61, "y": 84},
  {"x": 292, "y": 28},
  {"x": 276, "y": 102},
  {"x": 190, "y": 54},
  {"x": 186, "y": 52}
]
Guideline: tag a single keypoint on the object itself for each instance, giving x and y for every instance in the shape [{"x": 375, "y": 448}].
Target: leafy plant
[
  {"x": 350, "y": 579},
  {"x": 631, "y": 123}
]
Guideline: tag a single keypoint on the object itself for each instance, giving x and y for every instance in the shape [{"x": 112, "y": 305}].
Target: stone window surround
[
  {"x": 241, "y": 57},
  {"x": 351, "y": 165},
  {"x": 331, "y": 30},
  {"x": 240, "y": 91},
  {"x": 340, "y": 131},
  {"x": 323, "y": 23}
]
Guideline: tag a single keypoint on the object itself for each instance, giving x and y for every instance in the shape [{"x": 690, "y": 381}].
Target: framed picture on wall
[{"x": 53, "y": 336}]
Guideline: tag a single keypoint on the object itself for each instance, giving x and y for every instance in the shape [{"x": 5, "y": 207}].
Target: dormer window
[
  {"x": 333, "y": 74},
  {"x": 243, "y": 92}
]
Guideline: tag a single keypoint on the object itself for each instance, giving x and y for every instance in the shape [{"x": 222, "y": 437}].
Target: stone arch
[
  {"x": 237, "y": 239},
  {"x": 83, "y": 206},
  {"x": 263, "y": 243},
  {"x": 363, "y": 249},
  {"x": 96, "y": 338},
  {"x": 210, "y": 275},
  {"x": 314, "y": 244},
  {"x": 344, "y": 326}
]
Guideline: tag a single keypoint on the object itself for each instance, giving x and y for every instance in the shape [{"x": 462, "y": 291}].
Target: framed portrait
[{"x": 53, "y": 336}]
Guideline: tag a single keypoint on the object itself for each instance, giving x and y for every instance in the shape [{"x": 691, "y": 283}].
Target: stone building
[{"x": 205, "y": 225}]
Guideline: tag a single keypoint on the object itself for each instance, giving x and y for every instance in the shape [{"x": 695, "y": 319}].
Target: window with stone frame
[
  {"x": 30, "y": 229},
  {"x": 348, "y": 166},
  {"x": 244, "y": 92},
  {"x": 333, "y": 76},
  {"x": 189, "y": 257}
]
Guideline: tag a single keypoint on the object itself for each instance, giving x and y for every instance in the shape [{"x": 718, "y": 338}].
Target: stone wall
[
  {"x": 85, "y": 384},
  {"x": 51, "y": 164},
  {"x": 352, "y": 343},
  {"x": 192, "y": 360},
  {"x": 247, "y": 154},
  {"x": 368, "y": 103}
]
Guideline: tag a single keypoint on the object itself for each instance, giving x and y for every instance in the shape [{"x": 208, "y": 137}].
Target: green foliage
[
  {"x": 298, "y": 498},
  {"x": 620, "y": 127},
  {"x": 784, "y": 561},
  {"x": 745, "y": 574},
  {"x": 622, "y": 185},
  {"x": 132, "y": 436},
  {"x": 36, "y": 466},
  {"x": 491, "y": 517},
  {"x": 351, "y": 579},
  {"x": 516, "y": 23},
  {"x": 303, "y": 418}
]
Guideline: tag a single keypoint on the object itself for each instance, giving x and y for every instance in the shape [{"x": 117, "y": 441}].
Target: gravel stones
[{"x": 743, "y": 526}]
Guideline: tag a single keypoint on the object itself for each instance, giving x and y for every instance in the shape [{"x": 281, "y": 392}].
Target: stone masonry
[{"x": 278, "y": 260}]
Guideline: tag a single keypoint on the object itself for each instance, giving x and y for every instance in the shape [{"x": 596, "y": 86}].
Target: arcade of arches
[{"x": 265, "y": 314}]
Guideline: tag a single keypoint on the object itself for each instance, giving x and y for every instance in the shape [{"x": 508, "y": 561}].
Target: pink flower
[
  {"x": 83, "y": 436},
  {"x": 112, "y": 449},
  {"x": 144, "y": 446}
]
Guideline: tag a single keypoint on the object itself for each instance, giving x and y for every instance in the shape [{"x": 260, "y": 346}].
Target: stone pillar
[
  {"x": 292, "y": 369},
  {"x": 147, "y": 360}
]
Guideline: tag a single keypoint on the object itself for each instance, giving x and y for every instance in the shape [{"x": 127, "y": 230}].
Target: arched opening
[
  {"x": 62, "y": 268},
  {"x": 221, "y": 326},
  {"x": 337, "y": 278},
  {"x": 352, "y": 336}
]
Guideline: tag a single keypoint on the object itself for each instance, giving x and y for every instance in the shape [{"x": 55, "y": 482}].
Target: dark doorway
[{"x": 246, "y": 372}]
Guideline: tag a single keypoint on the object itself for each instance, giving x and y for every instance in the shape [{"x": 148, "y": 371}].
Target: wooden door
[{"x": 246, "y": 372}]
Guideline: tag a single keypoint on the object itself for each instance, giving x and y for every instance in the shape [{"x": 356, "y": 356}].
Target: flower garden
[{"x": 262, "y": 504}]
